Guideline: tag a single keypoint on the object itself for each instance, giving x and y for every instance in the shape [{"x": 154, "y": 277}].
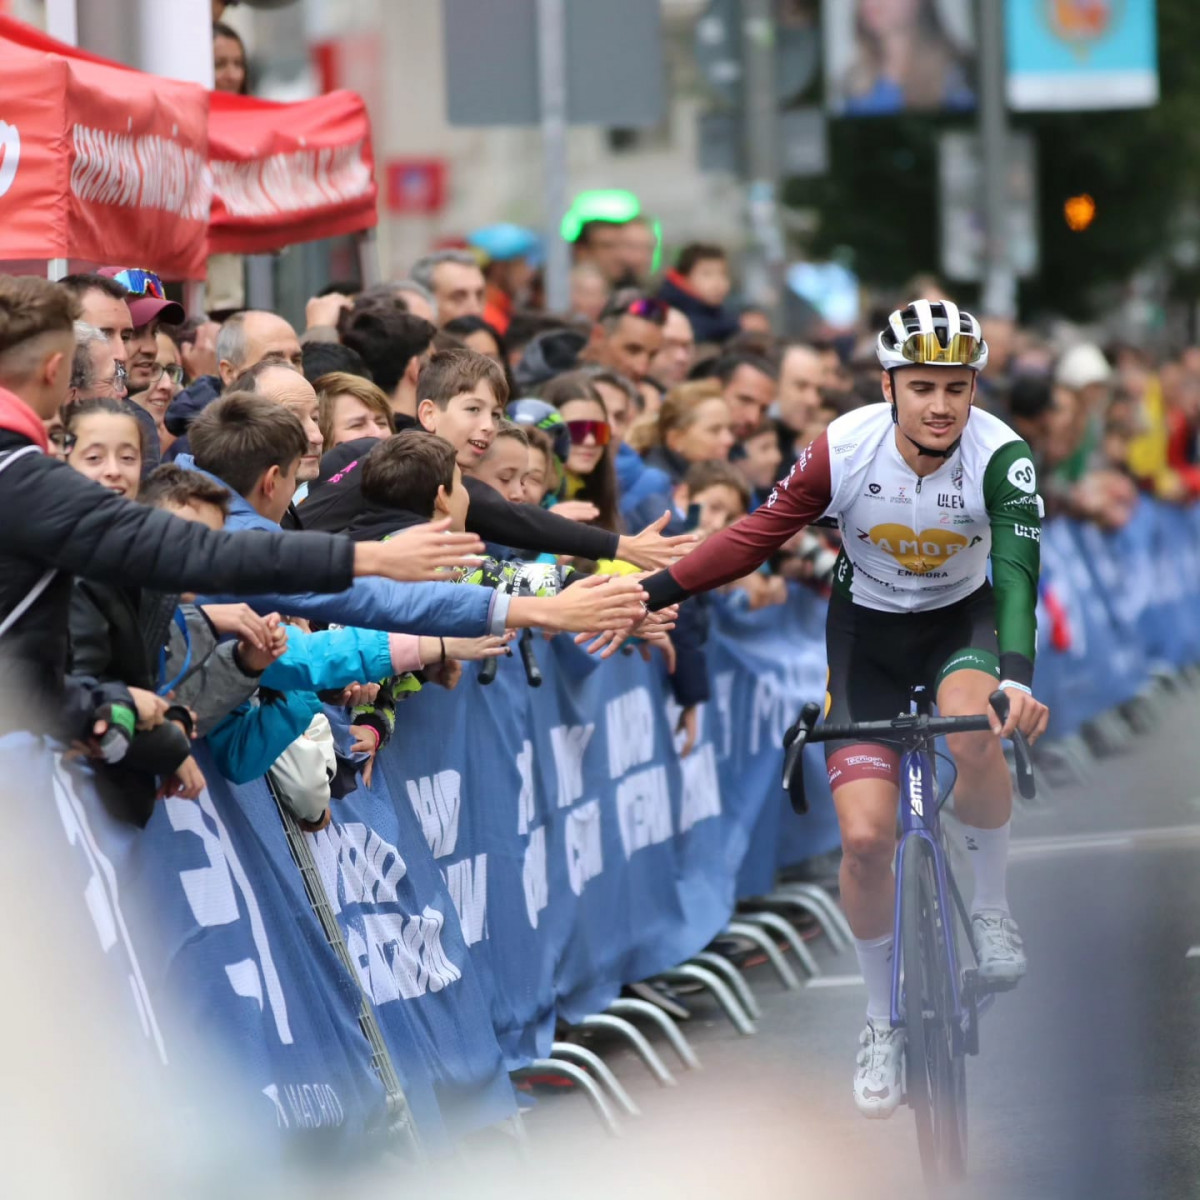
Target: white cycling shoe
[
  {"x": 998, "y": 947},
  {"x": 877, "y": 1082}
]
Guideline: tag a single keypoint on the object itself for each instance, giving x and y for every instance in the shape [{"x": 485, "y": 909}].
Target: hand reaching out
[
  {"x": 419, "y": 553},
  {"x": 256, "y": 658},
  {"x": 651, "y": 551},
  {"x": 242, "y": 622}
]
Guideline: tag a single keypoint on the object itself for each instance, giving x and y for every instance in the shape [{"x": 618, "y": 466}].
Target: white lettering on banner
[
  {"x": 629, "y": 722},
  {"x": 10, "y": 155},
  {"x": 139, "y": 172},
  {"x": 400, "y": 957},
  {"x": 701, "y": 791},
  {"x": 312, "y": 1105},
  {"x": 526, "y": 810},
  {"x": 533, "y": 875},
  {"x": 778, "y": 695},
  {"x": 723, "y": 697},
  {"x": 585, "y": 852},
  {"x": 213, "y": 901},
  {"x": 293, "y": 181},
  {"x": 367, "y": 867},
  {"x": 569, "y": 743},
  {"x": 102, "y": 894},
  {"x": 467, "y": 883},
  {"x": 436, "y": 800},
  {"x": 644, "y": 809}
]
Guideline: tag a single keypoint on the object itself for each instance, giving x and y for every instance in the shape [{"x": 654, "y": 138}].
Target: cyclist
[{"x": 926, "y": 489}]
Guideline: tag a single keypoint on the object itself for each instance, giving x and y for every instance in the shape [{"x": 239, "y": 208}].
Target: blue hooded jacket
[
  {"x": 435, "y": 609},
  {"x": 645, "y": 490}
]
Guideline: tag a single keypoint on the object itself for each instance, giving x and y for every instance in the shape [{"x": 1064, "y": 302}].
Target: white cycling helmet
[{"x": 931, "y": 333}]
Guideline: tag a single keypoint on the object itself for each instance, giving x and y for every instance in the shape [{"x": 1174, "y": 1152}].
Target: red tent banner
[
  {"x": 285, "y": 173},
  {"x": 100, "y": 163},
  {"x": 276, "y": 173}
]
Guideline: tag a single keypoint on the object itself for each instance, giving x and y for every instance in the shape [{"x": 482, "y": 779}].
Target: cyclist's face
[{"x": 932, "y": 404}]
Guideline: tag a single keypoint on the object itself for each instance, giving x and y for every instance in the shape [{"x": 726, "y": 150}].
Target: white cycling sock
[
  {"x": 988, "y": 851},
  {"x": 875, "y": 962}
]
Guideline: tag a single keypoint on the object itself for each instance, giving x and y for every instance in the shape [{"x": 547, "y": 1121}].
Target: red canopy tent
[
  {"x": 115, "y": 165},
  {"x": 101, "y": 163}
]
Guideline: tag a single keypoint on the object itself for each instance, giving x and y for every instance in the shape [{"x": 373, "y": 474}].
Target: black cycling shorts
[{"x": 875, "y": 658}]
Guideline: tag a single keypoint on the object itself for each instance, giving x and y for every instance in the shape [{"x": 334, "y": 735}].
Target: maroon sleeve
[{"x": 795, "y": 501}]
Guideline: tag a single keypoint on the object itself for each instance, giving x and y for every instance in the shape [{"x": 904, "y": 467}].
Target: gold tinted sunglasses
[{"x": 926, "y": 348}]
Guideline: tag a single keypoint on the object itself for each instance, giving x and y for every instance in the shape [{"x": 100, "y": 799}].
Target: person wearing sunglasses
[
  {"x": 628, "y": 335},
  {"x": 590, "y": 467},
  {"x": 148, "y": 308},
  {"x": 166, "y": 378},
  {"x": 930, "y": 491}
]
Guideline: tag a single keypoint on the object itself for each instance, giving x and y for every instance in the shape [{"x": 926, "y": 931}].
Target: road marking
[
  {"x": 1168, "y": 837},
  {"x": 832, "y": 981},
  {"x": 1194, "y": 952}
]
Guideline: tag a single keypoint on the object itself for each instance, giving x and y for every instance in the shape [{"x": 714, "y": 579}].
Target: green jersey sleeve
[{"x": 1014, "y": 509}]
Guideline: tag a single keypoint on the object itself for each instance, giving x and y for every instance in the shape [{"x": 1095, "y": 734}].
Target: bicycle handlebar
[{"x": 907, "y": 729}]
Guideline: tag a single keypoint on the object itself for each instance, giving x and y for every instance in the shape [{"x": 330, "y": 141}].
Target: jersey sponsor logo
[
  {"x": 901, "y": 496},
  {"x": 874, "y": 488},
  {"x": 918, "y": 553},
  {"x": 956, "y": 474},
  {"x": 1022, "y": 475},
  {"x": 867, "y": 760},
  {"x": 950, "y": 500},
  {"x": 1032, "y": 532},
  {"x": 925, "y": 575},
  {"x": 845, "y": 447},
  {"x": 1024, "y": 502}
]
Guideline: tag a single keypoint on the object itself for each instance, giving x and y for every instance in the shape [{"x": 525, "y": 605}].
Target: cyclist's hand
[{"x": 1025, "y": 713}]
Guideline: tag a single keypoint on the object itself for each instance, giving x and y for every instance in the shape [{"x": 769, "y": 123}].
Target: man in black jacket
[{"x": 58, "y": 524}]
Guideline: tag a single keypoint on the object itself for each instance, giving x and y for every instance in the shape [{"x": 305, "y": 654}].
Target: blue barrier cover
[{"x": 522, "y": 852}]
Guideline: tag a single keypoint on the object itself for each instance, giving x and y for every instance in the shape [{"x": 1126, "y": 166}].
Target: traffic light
[{"x": 1079, "y": 212}]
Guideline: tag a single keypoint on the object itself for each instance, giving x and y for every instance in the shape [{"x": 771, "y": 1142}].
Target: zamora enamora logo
[{"x": 10, "y": 155}]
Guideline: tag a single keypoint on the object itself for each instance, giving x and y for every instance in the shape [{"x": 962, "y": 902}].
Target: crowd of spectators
[{"x": 590, "y": 445}]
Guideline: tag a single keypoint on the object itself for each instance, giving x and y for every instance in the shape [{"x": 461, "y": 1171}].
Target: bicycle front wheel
[{"x": 934, "y": 1070}]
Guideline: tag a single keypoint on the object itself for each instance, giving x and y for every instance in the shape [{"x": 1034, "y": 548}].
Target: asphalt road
[{"x": 1088, "y": 1081}]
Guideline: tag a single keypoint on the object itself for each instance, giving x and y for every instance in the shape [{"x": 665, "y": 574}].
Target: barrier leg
[
  {"x": 630, "y": 1007},
  {"x": 733, "y": 977},
  {"x": 757, "y": 935},
  {"x": 401, "y": 1119},
  {"x": 724, "y": 997},
  {"x": 816, "y": 900},
  {"x": 634, "y": 1036},
  {"x": 569, "y": 1052},
  {"x": 786, "y": 930},
  {"x": 582, "y": 1080}
]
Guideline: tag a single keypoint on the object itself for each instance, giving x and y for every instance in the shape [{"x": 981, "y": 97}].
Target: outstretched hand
[
  {"x": 420, "y": 553},
  {"x": 651, "y": 551}
]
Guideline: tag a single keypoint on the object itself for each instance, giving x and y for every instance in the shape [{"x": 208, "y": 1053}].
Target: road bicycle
[{"x": 937, "y": 994}]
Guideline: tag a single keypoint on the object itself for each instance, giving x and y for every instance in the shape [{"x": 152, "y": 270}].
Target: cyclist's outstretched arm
[
  {"x": 1014, "y": 510},
  {"x": 796, "y": 500}
]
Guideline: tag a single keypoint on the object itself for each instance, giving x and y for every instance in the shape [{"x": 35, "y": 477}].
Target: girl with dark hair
[{"x": 590, "y": 469}]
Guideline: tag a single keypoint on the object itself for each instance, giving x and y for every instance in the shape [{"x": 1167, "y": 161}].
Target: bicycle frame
[{"x": 920, "y": 816}]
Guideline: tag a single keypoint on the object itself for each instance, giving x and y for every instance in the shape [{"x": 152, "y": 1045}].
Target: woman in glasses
[
  {"x": 590, "y": 468},
  {"x": 166, "y": 378}
]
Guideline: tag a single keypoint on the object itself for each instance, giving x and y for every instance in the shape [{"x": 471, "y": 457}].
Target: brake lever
[
  {"x": 794, "y": 741},
  {"x": 1026, "y": 784}
]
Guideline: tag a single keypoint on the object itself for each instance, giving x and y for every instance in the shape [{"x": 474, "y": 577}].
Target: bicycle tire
[{"x": 934, "y": 1070}]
